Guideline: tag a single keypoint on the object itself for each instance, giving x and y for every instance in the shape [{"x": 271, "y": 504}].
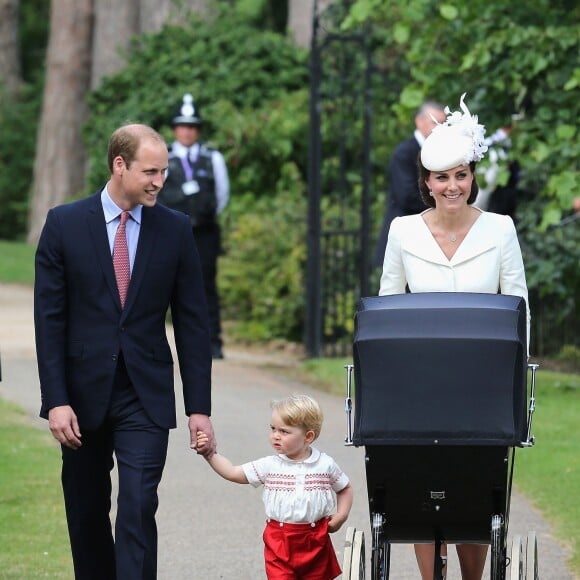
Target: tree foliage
[
  {"x": 17, "y": 148},
  {"x": 511, "y": 59},
  {"x": 236, "y": 72},
  {"x": 518, "y": 62},
  {"x": 250, "y": 85},
  {"x": 19, "y": 113}
]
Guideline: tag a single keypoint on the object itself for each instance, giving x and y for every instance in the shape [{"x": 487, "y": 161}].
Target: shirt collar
[
  {"x": 419, "y": 137},
  {"x": 180, "y": 150},
  {"x": 112, "y": 211},
  {"x": 313, "y": 458}
]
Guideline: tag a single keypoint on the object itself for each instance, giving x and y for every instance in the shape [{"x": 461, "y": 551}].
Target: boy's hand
[
  {"x": 201, "y": 441},
  {"x": 199, "y": 422},
  {"x": 335, "y": 523}
]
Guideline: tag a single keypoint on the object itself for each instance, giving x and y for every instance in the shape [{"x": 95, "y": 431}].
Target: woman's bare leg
[
  {"x": 471, "y": 560},
  {"x": 425, "y": 554}
]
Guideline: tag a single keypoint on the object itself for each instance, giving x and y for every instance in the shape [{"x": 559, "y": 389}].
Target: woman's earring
[{"x": 430, "y": 193}]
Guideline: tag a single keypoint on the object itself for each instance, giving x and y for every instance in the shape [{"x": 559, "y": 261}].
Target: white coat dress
[{"x": 488, "y": 260}]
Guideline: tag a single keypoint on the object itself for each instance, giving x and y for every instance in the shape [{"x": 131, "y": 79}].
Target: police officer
[{"x": 197, "y": 184}]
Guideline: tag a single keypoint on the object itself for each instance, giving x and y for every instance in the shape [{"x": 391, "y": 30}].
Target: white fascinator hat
[{"x": 459, "y": 140}]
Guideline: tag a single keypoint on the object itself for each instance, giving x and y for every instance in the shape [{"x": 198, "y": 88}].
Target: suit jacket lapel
[{"x": 98, "y": 231}]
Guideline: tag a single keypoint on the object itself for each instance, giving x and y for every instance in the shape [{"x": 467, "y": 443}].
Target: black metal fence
[
  {"x": 549, "y": 331},
  {"x": 339, "y": 181}
]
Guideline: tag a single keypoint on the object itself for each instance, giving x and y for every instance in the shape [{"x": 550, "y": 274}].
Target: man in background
[
  {"x": 404, "y": 197},
  {"x": 197, "y": 184}
]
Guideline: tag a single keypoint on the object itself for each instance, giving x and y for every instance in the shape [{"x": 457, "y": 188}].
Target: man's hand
[
  {"x": 64, "y": 426},
  {"x": 202, "y": 423}
]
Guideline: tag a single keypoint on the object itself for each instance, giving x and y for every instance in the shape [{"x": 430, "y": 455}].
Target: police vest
[{"x": 190, "y": 187}]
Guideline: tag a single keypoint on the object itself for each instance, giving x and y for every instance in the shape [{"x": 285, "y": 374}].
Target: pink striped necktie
[{"x": 121, "y": 258}]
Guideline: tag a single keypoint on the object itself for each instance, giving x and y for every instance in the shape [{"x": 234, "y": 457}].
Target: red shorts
[{"x": 299, "y": 551}]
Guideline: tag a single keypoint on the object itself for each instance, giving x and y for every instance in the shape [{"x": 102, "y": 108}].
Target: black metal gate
[{"x": 339, "y": 180}]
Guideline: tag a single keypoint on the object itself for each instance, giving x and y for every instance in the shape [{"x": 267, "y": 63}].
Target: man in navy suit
[
  {"x": 404, "y": 197},
  {"x": 105, "y": 365}
]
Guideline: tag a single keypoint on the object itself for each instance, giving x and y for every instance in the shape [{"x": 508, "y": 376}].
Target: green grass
[
  {"x": 16, "y": 263},
  {"x": 33, "y": 535},
  {"x": 549, "y": 473}
]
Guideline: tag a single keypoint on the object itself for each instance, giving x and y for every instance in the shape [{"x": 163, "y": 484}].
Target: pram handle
[
  {"x": 530, "y": 439},
  {"x": 348, "y": 405}
]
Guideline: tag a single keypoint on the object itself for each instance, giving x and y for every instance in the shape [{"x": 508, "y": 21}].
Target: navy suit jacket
[
  {"x": 404, "y": 196},
  {"x": 81, "y": 328}
]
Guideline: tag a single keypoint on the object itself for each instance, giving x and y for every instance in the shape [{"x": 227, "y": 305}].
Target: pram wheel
[
  {"x": 358, "y": 555},
  {"x": 353, "y": 563},
  {"x": 498, "y": 559},
  {"x": 381, "y": 550},
  {"x": 532, "y": 557},
  {"x": 517, "y": 560},
  {"x": 347, "y": 555},
  {"x": 380, "y": 558}
]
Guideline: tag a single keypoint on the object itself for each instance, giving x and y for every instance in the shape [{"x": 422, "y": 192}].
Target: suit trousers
[{"x": 140, "y": 449}]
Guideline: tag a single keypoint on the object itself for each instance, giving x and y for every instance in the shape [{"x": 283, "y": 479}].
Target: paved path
[{"x": 209, "y": 528}]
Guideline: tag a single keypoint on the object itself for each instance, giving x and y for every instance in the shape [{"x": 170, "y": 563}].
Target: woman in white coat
[{"x": 453, "y": 247}]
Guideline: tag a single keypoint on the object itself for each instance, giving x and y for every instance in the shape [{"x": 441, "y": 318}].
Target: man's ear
[{"x": 119, "y": 165}]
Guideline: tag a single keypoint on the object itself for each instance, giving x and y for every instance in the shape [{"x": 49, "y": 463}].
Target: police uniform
[{"x": 197, "y": 184}]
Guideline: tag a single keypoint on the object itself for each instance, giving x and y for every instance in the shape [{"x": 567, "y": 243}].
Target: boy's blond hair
[{"x": 300, "y": 411}]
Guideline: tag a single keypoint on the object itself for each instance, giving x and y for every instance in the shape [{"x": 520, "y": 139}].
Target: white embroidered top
[{"x": 297, "y": 492}]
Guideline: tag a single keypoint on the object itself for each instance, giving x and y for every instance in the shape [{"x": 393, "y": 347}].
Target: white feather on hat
[{"x": 459, "y": 140}]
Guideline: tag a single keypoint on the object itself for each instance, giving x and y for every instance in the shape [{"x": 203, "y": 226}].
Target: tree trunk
[
  {"x": 155, "y": 13},
  {"x": 113, "y": 34},
  {"x": 300, "y": 14},
  {"x": 115, "y": 25},
  {"x": 10, "y": 73},
  {"x": 60, "y": 156}
]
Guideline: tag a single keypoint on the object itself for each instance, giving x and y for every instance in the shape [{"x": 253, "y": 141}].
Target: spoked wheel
[
  {"x": 497, "y": 548},
  {"x": 381, "y": 550},
  {"x": 532, "y": 557},
  {"x": 358, "y": 556},
  {"x": 517, "y": 560},
  {"x": 381, "y": 561},
  {"x": 347, "y": 555}
]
